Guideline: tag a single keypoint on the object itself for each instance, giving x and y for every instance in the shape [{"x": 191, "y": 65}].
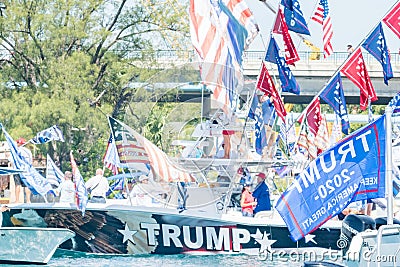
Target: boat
[
  {"x": 199, "y": 215},
  {"x": 30, "y": 245},
  {"x": 124, "y": 229}
]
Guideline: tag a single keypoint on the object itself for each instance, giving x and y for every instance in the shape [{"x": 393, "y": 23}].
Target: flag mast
[{"x": 388, "y": 163}]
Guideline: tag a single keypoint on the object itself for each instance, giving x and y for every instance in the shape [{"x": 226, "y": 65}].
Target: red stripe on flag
[{"x": 392, "y": 19}]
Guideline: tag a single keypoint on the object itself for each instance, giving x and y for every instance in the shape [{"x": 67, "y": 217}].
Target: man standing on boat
[
  {"x": 66, "y": 189},
  {"x": 98, "y": 187},
  {"x": 261, "y": 194}
]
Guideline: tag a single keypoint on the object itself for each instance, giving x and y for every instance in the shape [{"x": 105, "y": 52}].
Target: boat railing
[{"x": 393, "y": 229}]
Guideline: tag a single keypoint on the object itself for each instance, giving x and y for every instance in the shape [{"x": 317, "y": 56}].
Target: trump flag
[{"x": 352, "y": 170}]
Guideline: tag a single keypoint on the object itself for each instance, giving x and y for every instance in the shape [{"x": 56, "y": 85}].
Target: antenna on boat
[{"x": 388, "y": 163}]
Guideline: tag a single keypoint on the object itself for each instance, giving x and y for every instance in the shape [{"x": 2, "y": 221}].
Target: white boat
[
  {"x": 124, "y": 229},
  {"x": 30, "y": 245}
]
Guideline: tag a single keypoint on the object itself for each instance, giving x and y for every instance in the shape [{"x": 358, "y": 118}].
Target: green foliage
[{"x": 59, "y": 56}]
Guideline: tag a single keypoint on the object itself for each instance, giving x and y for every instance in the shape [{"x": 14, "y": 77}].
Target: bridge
[{"x": 312, "y": 72}]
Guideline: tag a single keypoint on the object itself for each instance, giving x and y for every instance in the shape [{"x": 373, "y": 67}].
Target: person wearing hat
[
  {"x": 247, "y": 201},
  {"x": 27, "y": 155},
  {"x": 261, "y": 194},
  {"x": 97, "y": 187}
]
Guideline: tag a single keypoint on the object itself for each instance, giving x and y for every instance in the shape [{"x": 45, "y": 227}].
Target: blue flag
[
  {"x": 333, "y": 95},
  {"x": 288, "y": 82},
  {"x": 268, "y": 112},
  {"x": 294, "y": 17},
  {"x": 118, "y": 184},
  {"x": 53, "y": 174},
  {"x": 395, "y": 103},
  {"x": 352, "y": 170},
  {"x": 47, "y": 135},
  {"x": 255, "y": 113},
  {"x": 375, "y": 44},
  {"x": 30, "y": 177}
]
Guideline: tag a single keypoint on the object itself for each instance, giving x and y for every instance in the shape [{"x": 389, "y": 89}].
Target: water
[{"x": 61, "y": 258}]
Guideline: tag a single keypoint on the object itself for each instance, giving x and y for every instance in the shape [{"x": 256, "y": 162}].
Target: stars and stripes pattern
[
  {"x": 162, "y": 166},
  {"x": 323, "y": 17},
  {"x": 129, "y": 150},
  {"x": 111, "y": 159}
]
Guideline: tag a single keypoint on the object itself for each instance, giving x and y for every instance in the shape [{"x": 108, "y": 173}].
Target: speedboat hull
[
  {"x": 120, "y": 229},
  {"x": 30, "y": 245}
]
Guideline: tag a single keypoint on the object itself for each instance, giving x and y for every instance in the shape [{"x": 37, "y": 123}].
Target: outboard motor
[
  {"x": 383, "y": 221},
  {"x": 352, "y": 225}
]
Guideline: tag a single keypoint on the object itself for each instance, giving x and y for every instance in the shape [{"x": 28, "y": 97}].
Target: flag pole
[{"x": 388, "y": 163}]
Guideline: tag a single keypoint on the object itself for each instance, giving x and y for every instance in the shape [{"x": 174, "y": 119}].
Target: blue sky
[{"x": 352, "y": 21}]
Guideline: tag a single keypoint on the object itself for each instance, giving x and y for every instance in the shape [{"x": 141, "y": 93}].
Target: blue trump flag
[
  {"x": 375, "y": 44},
  {"x": 353, "y": 169},
  {"x": 333, "y": 95},
  {"x": 294, "y": 17},
  {"x": 255, "y": 113},
  {"x": 30, "y": 176},
  {"x": 395, "y": 103},
  {"x": 268, "y": 112},
  {"x": 288, "y": 82}
]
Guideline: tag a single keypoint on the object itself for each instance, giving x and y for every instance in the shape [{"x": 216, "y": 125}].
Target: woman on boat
[{"x": 247, "y": 201}]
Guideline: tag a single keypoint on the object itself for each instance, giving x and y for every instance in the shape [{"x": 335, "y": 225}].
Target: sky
[{"x": 352, "y": 21}]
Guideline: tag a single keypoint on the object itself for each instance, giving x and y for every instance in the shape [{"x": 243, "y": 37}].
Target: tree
[{"x": 60, "y": 59}]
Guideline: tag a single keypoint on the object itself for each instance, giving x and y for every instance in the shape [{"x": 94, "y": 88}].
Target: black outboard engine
[
  {"x": 383, "y": 221},
  {"x": 352, "y": 225}
]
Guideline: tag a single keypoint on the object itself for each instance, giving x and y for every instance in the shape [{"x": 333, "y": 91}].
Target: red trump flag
[
  {"x": 392, "y": 19},
  {"x": 266, "y": 85},
  {"x": 356, "y": 71}
]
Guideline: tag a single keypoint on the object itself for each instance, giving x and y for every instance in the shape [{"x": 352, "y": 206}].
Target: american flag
[
  {"x": 161, "y": 165},
  {"x": 323, "y": 17},
  {"x": 111, "y": 159}
]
